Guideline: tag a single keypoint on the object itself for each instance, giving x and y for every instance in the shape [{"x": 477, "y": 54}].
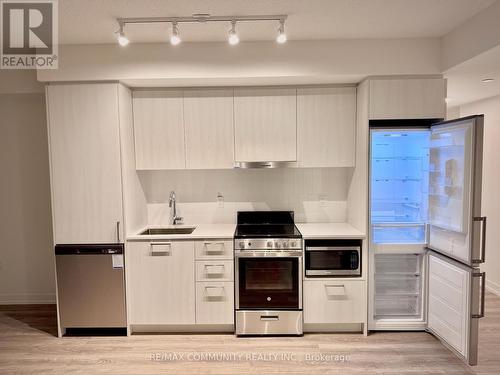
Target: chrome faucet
[{"x": 172, "y": 204}]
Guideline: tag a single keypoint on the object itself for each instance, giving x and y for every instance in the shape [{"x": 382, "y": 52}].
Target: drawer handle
[
  {"x": 267, "y": 318},
  {"x": 160, "y": 253},
  {"x": 209, "y": 291},
  {"x": 218, "y": 250},
  {"x": 336, "y": 288},
  {"x": 212, "y": 266}
]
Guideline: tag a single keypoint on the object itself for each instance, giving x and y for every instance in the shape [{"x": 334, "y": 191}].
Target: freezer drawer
[
  {"x": 398, "y": 306},
  {"x": 398, "y": 286},
  {"x": 91, "y": 286}
]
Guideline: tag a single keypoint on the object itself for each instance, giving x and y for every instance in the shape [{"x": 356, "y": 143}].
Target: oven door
[
  {"x": 268, "y": 282},
  {"x": 333, "y": 261}
]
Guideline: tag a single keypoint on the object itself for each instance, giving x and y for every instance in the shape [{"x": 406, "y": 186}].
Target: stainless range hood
[{"x": 264, "y": 164}]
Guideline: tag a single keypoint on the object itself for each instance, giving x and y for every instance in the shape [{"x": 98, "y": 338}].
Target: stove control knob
[
  {"x": 277, "y": 244},
  {"x": 269, "y": 243},
  {"x": 293, "y": 244},
  {"x": 242, "y": 244},
  {"x": 285, "y": 244}
]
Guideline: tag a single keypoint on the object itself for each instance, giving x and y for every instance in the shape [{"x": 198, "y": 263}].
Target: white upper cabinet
[
  {"x": 326, "y": 126},
  {"x": 407, "y": 98},
  {"x": 159, "y": 130},
  {"x": 84, "y": 144},
  {"x": 208, "y": 119},
  {"x": 265, "y": 124}
]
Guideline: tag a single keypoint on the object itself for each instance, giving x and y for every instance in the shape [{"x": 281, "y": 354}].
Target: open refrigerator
[{"x": 427, "y": 235}]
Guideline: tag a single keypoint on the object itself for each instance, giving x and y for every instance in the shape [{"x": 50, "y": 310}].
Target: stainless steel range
[{"x": 268, "y": 274}]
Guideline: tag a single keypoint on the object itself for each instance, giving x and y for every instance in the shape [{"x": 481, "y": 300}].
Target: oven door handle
[
  {"x": 268, "y": 318},
  {"x": 268, "y": 255}
]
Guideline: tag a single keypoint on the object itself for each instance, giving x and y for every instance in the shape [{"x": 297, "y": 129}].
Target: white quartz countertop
[
  {"x": 328, "y": 230},
  {"x": 202, "y": 231},
  {"x": 213, "y": 231}
]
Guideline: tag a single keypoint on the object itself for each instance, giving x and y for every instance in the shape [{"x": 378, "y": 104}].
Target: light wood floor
[{"x": 28, "y": 345}]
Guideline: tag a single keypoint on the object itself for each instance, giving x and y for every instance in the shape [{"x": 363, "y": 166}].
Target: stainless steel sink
[{"x": 160, "y": 231}]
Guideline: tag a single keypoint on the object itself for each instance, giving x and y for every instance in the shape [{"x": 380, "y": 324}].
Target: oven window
[
  {"x": 332, "y": 260},
  {"x": 268, "y": 283},
  {"x": 269, "y": 275}
]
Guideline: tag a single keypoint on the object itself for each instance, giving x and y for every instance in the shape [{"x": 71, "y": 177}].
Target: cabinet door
[
  {"x": 265, "y": 124},
  {"x": 326, "y": 126},
  {"x": 215, "y": 303},
  {"x": 334, "y": 301},
  {"x": 161, "y": 282},
  {"x": 407, "y": 98},
  {"x": 159, "y": 130},
  {"x": 84, "y": 147},
  {"x": 208, "y": 118}
]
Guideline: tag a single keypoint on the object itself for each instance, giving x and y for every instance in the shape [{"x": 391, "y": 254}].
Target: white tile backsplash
[{"x": 315, "y": 194}]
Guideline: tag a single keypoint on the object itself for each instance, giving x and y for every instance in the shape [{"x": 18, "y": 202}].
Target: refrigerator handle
[
  {"x": 482, "y": 220},
  {"x": 482, "y": 275}
]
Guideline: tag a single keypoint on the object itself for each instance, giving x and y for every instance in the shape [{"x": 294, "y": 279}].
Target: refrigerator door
[
  {"x": 456, "y": 227},
  {"x": 455, "y": 302}
]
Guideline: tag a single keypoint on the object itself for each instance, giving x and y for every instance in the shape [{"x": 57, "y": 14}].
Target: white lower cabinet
[
  {"x": 334, "y": 301},
  {"x": 214, "y": 282},
  {"x": 180, "y": 283},
  {"x": 161, "y": 282},
  {"x": 215, "y": 302}
]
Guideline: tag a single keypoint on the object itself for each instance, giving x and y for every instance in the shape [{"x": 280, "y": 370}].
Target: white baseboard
[
  {"x": 27, "y": 299},
  {"x": 493, "y": 287}
]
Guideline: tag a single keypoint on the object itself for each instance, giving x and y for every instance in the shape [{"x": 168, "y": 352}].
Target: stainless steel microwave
[{"x": 332, "y": 258}]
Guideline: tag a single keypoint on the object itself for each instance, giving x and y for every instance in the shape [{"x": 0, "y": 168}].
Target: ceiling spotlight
[
  {"x": 233, "y": 38},
  {"x": 281, "y": 38},
  {"x": 122, "y": 39},
  {"x": 175, "y": 39},
  {"x": 486, "y": 80}
]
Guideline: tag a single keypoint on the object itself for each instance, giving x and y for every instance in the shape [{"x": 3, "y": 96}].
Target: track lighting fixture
[
  {"x": 281, "y": 38},
  {"x": 233, "y": 37},
  {"x": 175, "y": 39},
  {"x": 122, "y": 39}
]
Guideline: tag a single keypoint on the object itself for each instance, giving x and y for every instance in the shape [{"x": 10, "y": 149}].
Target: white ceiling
[{"x": 94, "y": 21}]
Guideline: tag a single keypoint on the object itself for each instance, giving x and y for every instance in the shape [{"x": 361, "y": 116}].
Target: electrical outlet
[{"x": 220, "y": 200}]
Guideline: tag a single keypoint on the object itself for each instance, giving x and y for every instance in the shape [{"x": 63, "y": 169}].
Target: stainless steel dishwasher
[{"x": 91, "y": 289}]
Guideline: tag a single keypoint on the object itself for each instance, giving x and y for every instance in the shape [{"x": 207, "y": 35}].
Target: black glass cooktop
[{"x": 266, "y": 224}]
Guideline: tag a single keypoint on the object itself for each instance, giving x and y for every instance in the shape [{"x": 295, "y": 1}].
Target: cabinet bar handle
[{"x": 118, "y": 231}]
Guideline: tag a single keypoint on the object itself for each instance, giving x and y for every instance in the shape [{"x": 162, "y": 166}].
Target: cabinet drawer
[
  {"x": 334, "y": 301},
  {"x": 214, "y": 302},
  {"x": 214, "y": 249},
  {"x": 213, "y": 270}
]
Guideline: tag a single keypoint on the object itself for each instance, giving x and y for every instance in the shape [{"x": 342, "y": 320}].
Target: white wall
[
  {"x": 26, "y": 253},
  {"x": 254, "y": 63},
  {"x": 315, "y": 194},
  {"x": 491, "y": 181}
]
